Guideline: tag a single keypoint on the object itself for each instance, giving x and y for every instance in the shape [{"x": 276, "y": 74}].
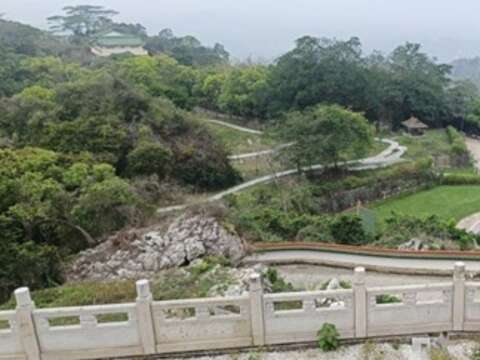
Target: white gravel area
[
  {"x": 310, "y": 277},
  {"x": 460, "y": 350}
]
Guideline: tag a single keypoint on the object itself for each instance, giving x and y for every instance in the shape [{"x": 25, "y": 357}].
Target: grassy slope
[
  {"x": 167, "y": 285},
  {"x": 238, "y": 142},
  {"x": 447, "y": 202},
  {"x": 433, "y": 143}
]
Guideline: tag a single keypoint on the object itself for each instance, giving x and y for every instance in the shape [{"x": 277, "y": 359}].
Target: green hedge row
[
  {"x": 460, "y": 179},
  {"x": 456, "y": 139}
]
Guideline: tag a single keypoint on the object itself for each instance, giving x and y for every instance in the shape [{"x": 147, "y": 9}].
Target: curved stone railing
[
  {"x": 148, "y": 327},
  {"x": 429, "y": 262}
]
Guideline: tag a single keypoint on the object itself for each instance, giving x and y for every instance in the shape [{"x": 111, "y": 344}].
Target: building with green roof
[{"x": 118, "y": 43}]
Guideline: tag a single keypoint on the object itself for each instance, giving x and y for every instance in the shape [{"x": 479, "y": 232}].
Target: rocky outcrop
[{"x": 142, "y": 253}]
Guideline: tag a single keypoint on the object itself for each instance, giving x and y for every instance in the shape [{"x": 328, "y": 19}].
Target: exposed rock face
[{"x": 141, "y": 253}]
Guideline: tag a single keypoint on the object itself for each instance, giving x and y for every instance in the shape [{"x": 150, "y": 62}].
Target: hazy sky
[{"x": 267, "y": 28}]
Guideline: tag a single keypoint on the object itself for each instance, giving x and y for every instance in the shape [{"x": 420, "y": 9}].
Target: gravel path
[
  {"x": 471, "y": 224},
  {"x": 376, "y": 263},
  {"x": 458, "y": 350},
  {"x": 310, "y": 277},
  {"x": 473, "y": 146}
]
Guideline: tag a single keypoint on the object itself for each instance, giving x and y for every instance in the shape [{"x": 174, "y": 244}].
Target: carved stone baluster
[
  {"x": 410, "y": 298},
  {"x": 202, "y": 312},
  {"x": 309, "y": 306},
  {"x": 470, "y": 297},
  {"x": 269, "y": 308},
  {"x": 88, "y": 321}
]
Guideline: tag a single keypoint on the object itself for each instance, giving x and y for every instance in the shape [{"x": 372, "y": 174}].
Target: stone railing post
[
  {"x": 257, "y": 316},
  {"x": 145, "y": 318},
  {"x": 458, "y": 296},
  {"x": 25, "y": 324},
  {"x": 360, "y": 302}
]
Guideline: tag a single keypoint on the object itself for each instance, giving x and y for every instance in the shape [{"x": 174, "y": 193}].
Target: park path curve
[
  {"x": 402, "y": 265},
  {"x": 470, "y": 224},
  {"x": 235, "y": 127},
  {"x": 387, "y": 157}
]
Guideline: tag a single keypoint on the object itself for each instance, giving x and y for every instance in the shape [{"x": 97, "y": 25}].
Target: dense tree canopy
[
  {"x": 186, "y": 50},
  {"x": 326, "y": 135}
]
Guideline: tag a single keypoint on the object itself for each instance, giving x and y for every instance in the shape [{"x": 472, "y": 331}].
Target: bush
[
  {"x": 202, "y": 161},
  {"x": 107, "y": 206},
  {"x": 328, "y": 337},
  {"x": 387, "y": 299},
  {"x": 458, "y": 144},
  {"x": 460, "y": 179},
  {"x": 401, "y": 228},
  {"x": 27, "y": 264},
  {"x": 348, "y": 230},
  {"x": 149, "y": 159},
  {"x": 475, "y": 355},
  {"x": 278, "y": 284}
]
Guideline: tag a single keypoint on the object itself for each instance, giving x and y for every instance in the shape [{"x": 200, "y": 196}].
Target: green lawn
[
  {"x": 433, "y": 143},
  {"x": 447, "y": 202}
]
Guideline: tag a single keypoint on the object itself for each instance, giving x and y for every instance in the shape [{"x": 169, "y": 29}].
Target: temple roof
[{"x": 116, "y": 39}]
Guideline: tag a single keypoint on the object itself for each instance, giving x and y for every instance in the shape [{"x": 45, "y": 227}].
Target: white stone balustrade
[{"x": 254, "y": 319}]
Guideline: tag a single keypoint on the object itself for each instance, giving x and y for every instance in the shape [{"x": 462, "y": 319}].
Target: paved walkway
[
  {"x": 473, "y": 146},
  {"x": 388, "y": 157},
  {"x": 471, "y": 224},
  {"x": 259, "y": 153},
  {"x": 235, "y": 127},
  {"x": 374, "y": 263}
]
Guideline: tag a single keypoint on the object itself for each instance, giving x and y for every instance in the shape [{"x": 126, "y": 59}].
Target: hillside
[{"x": 92, "y": 149}]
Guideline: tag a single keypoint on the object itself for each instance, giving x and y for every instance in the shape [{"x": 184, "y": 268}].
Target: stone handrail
[
  {"x": 149, "y": 327},
  {"x": 367, "y": 250}
]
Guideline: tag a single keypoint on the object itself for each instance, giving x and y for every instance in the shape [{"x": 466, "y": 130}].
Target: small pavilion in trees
[{"x": 414, "y": 126}]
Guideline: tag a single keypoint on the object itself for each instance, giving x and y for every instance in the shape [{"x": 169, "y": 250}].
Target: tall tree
[
  {"x": 83, "y": 21},
  {"x": 187, "y": 50},
  {"x": 318, "y": 70},
  {"x": 417, "y": 86},
  {"x": 326, "y": 134}
]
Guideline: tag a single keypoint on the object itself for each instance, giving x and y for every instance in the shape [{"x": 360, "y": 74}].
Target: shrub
[
  {"x": 440, "y": 354},
  {"x": 149, "y": 159},
  {"x": 387, "y": 299},
  {"x": 27, "y": 264},
  {"x": 107, "y": 206},
  {"x": 401, "y": 228},
  {"x": 458, "y": 144},
  {"x": 348, "y": 230},
  {"x": 475, "y": 355},
  {"x": 328, "y": 337},
  {"x": 460, "y": 179},
  {"x": 202, "y": 161},
  {"x": 278, "y": 283}
]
